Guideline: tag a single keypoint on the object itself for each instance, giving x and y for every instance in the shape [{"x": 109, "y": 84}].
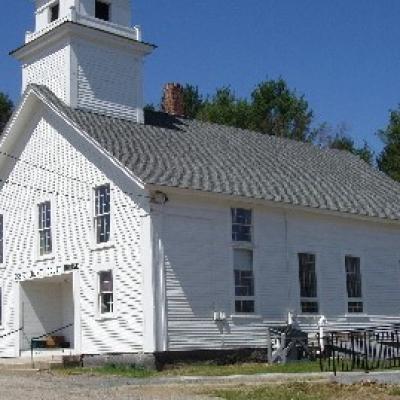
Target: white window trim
[
  {"x": 240, "y": 245},
  {"x": 98, "y": 315},
  {"x": 2, "y": 307},
  {"x": 3, "y": 263},
  {"x": 94, "y": 246},
  {"x": 317, "y": 273},
  {"x": 53, "y": 203},
  {"x": 354, "y": 299}
]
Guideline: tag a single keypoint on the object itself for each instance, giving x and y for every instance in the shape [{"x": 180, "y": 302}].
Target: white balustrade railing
[{"x": 73, "y": 16}]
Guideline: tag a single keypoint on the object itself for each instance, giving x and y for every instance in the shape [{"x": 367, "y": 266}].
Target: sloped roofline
[{"x": 32, "y": 94}]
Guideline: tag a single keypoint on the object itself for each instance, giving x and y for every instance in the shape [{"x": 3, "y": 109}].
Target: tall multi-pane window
[
  {"x": 244, "y": 280},
  {"x": 1, "y": 239},
  {"x": 241, "y": 225},
  {"x": 45, "y": 240},
  {"x": 106, "y": 292},
  {"x": 102, "y": 214},
  {"x": 354, "y": 285},
  {"x": 308, "y": 283}
]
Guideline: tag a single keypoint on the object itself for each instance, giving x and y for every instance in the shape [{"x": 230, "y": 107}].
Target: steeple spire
[{"x": 88, "y": 54}]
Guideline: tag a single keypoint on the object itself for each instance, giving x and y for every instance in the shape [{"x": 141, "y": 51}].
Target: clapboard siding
[
  {"x": 49, "y": 68},
  {"x": 78, "y": 168},
  {"x": 199, "y": 272},
  {"x": 108, "y": 80}
]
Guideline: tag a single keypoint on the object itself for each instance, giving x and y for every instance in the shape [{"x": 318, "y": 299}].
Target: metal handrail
[{"x": 44, "y": 335}]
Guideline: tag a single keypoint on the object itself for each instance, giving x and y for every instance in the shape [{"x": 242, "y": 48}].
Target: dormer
[{"x": 88, "y": 54}]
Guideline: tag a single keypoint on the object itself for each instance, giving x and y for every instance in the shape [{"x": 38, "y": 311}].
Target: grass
[
  {"x": 311, "y": 391},
  {"x": 197, "y": 369}
]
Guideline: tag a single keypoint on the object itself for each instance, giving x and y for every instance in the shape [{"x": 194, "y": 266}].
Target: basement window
[
  {"x": 102, "y": 10},
  {"x": 244, "y": 280},
  {"x": 106, "y": 292},
  {"x": 354, "y": 285},
  {"x": 54, "y": 12},
  {"x": 45, "y": 241},
  {"x": 102, "y": 214},
  {"x": 308, "y": 284}
]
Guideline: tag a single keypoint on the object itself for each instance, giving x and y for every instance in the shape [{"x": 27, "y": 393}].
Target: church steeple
[{"x": 88, "y": 54}]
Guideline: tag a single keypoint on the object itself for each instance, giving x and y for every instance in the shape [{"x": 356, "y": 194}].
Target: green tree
[
  {"x": 389, "y": 160},
  {"x": 193, "y": 101},
  {"x": 6, "y": 108},
  {"x": 226, "y": 109},
  {"x": 347, "y": 143},
  {"x": 278, "y": 110}
]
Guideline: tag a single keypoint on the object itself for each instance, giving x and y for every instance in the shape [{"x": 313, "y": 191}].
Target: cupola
[{"x": 89, "y": 54}]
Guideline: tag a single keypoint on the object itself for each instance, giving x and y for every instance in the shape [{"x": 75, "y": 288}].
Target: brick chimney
[{"x": 172, "y": 102}]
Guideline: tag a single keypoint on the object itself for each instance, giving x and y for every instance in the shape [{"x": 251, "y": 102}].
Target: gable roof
[{"x": 189, "y": 154}]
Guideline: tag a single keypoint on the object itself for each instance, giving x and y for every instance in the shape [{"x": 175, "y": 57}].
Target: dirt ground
[
  {"x": 55, "y": 385},
  {"x": 49, "y": 386}
]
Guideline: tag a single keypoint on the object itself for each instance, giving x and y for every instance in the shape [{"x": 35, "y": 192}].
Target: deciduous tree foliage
[
  {"x": 6, "y": 107},
  {"x": 272, "y": 108},
  {"x": 389, "y": 160}
]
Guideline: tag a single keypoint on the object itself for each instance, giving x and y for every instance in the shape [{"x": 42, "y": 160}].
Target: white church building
[{"x": 128, "y": 232}]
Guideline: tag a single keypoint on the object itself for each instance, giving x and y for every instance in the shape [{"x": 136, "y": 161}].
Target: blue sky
[{"x": 343, "y": 55}]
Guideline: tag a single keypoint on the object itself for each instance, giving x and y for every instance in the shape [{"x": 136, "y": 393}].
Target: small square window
[
  {"x": 244, "y": 306},
  {"x": 102, "y": 10},
  {"x": 309, "y": 307},
  {"x": 54, "y": 12},
  {"x": 355, "y": 307}
]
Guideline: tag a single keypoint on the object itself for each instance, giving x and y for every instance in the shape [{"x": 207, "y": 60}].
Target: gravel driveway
[
  {"x": 21, "y": 385},
  {"x": 48, "y": 386}
]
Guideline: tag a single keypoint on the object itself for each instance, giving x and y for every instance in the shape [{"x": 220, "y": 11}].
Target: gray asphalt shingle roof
[{"x": 189, "y": 154}]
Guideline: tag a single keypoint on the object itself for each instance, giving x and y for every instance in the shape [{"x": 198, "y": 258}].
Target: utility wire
[{"x": 45, "y": 169}]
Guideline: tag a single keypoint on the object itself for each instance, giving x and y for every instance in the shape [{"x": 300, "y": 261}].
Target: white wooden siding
[
  {"x": 109, "y": 80},
  {"x": 74, "y": 162},
  {"x": 199, "y": 272},
  {"x": 49, "y": 68}
]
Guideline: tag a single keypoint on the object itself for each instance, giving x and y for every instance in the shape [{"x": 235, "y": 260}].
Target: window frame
[
  {"x": 109, "y": 243},
  {"x": 109, "y": 5},
  {"x": 349, "y": 299},
  {"x": 2, "y": 238},
  {"x": 99, "y": 294},
  {"x": 1, "y": 307},
  {"x": 246, "y": 298},
  {"x": 51, "y": 8},
  {"x": 305, "y": 299},
  {"x": 51, "y": 254},
  {"x": 250, "y": 226},
  {"x": 242, "y": 245}
]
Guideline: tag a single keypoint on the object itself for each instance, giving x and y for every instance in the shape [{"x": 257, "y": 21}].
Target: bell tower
[{"x": 88, "y": 54}]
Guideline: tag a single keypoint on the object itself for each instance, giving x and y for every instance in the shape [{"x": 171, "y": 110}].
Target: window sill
[
  {"x": 102, "y": 246},
  {"x": 105, "y": 317},
  {"x": 45, "y": 258},
  {"x": 361, "y": 315},
  {"x": 246, "y": 316},
  {"x": 243, "y": 245}
]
